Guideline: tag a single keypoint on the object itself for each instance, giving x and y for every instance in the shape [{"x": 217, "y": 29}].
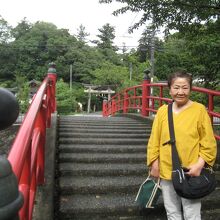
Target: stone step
[
  {"x": 102, "y": 157},
  {"x": 211, "y": 214},
  {"x": 102, "y": 135},
  {"x": 97, "y": 185},
  {"x": 102, "y": 206},
  {"x": 103, "y": 122},
  {"x": 124, "y": 217},
  {"x": 88, "y": 118},
  {"x": 103, "y": 130},
  {"x": 107, "y": 126},
  {"x": 121, "y": 141},
  {"x": 64, "y": 119},
  {"x": 81, "y": 148},
  {"x": 105, "y": 169},
  {"x": 211, "y": 201},
  {"x": 217, "y": 175},
  {"x": 118, "y": 206}
]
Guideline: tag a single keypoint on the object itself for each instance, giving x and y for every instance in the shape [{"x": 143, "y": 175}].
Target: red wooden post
[
  {"x": 113, "y": 107},
  {"x": 52, "y": 74},
  {"x": 119, "y": 105},
  {"x": 125, "y": 103},
  {"x": 145, "y": 94},
  {"x": 135, "y": 98},
  {"x": 104, "y": 108},
  {"x": 161, "y": 95},
  {"x": 211, "y": 106}
]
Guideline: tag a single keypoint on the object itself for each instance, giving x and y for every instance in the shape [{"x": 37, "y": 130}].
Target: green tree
[
  {"x": 7, "y": 62},
  {"x": 84, "y": 59},
  {"x": 110, "y": 74},
  {"x": 168, "y": 13},
  {"x": 35, "y": 45},
  {"x": 173, "y": 56},
  {"x": 80, "y": 95},
  {"x": 131, "y": 60},
  {"x": 105, "y": 44},
  {"x": 7, "y": 58},
  {"x": 204, "y": 49},
  {"x": 40, "y": 45},
  {"x": 21, "y": 29},
  {"x": 22, "y": 93},
  {"x": 5, "y": 30},
  {"x": 197, "y": 52},
  {"x": 66, "y": 103},
  {"x": 106, "y": 37},
  {"x": 148, "y": 41},
  {"x": 82, "y": 34}
]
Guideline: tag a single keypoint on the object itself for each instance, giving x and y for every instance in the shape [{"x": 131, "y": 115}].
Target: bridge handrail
[
  {"x": 139, "y": 98},
  {"x": 27, "y": 152}
]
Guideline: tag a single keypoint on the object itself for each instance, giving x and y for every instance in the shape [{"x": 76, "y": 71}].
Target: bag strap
[{"x": 175, "y": 157}]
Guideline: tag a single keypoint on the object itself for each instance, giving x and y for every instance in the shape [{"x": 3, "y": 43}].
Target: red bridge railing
[
  {"x": 27, "y": 153},
  {"x": 139, "y": 99}
]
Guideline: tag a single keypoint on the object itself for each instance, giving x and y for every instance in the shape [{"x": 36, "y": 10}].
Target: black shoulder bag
[{"x": 186, "y": 186}]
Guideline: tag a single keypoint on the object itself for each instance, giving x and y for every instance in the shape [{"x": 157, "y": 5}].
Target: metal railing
[
  {"x": 27, "y": 152},
  {"x": 139, "y": 99}
]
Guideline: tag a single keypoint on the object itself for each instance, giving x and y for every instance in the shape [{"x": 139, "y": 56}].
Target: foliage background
[{"x": 27, "y": 49}]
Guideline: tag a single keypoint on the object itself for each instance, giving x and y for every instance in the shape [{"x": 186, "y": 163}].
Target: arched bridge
[{"x": 91, "y": 166}]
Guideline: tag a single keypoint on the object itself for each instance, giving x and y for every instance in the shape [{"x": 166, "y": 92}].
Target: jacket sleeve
[
  {"x": 154, "y": 141},
  {"x": 208, "y": 145}
]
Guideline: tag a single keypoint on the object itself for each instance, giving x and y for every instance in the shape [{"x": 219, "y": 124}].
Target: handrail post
[
  {"x": 118, "y": 103},
  {"x": 161, "y": 95},
  {"x": 210, "y": 106},
  {"x": 125, "y": 103},
  {"x": 52, "y": 74},
  {"x": 113, "y": 107},
  {"x": 104, "y": 108},
  {"x": 135, "y": 98},
  {"x": 145, "y": 94}
]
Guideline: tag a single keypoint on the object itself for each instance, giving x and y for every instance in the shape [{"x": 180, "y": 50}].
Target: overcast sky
[{"x": 69, "y": 14}]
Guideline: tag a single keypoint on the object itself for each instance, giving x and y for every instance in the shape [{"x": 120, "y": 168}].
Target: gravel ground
[{"x": 6, "y": 139}]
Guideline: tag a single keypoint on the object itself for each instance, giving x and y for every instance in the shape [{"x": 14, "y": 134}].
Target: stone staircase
[{"x": 102, "y": 162}]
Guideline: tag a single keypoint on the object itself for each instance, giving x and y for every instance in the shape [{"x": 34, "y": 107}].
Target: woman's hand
[
  {"x": 195, "y": 169},
  {"x": 155, "y": 170}
]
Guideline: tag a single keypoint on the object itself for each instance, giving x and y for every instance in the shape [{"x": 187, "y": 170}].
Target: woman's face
[{"x": 180, "y": 91}]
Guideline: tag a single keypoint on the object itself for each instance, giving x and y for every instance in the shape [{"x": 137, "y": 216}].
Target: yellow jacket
[{"x": 194, "y": 138}]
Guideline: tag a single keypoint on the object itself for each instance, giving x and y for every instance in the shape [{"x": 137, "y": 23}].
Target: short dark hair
[{"x": 179, "y": 74}]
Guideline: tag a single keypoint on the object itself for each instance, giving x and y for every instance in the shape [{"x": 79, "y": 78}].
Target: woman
[{"x": 195, "y": 142}]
